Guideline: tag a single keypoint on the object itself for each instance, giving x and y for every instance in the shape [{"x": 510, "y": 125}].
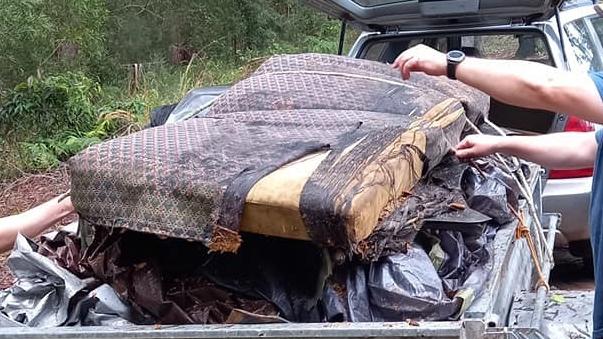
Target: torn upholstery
[{"x": 310, "y": 146}]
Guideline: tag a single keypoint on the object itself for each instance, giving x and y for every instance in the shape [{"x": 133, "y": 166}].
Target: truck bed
[{"x": 487, "y": 317}]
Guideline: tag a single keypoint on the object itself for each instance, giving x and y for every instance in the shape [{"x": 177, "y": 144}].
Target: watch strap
[{"x": 451, "y": 70}]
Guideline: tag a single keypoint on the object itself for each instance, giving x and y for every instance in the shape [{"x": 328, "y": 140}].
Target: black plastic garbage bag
[
  {"x": 415, "y": 285},
  {"x": 490, "y": 190},
  {"x": 333, "y": 307},
  {"x": 407, "y": 286},
  {"x": 457, "y": 261},
  {"x": 464, "y": 254},
  {"x": 358, "y": 295}
]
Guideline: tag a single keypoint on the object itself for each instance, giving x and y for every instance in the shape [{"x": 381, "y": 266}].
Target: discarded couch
[{"x": 309, "y": 146}]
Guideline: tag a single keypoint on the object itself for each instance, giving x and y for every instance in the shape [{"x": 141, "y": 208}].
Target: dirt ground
[
  {"x": 571, "y": 273},
  {"x": 26, "y": 192}
]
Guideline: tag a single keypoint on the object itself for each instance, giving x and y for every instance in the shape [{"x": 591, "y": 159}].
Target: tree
[{"x": 33, "y": 31}]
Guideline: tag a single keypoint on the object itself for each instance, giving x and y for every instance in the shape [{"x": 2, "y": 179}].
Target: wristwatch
[{"x": 453, "y": 59}]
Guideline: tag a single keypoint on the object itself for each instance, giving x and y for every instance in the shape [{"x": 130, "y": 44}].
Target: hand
[
  {"x": 421, "y": 58},
  {"x": 478, "y": 145}
]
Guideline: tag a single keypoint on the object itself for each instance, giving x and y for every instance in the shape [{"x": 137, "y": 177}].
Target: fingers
[
  {"x": 465, "y": 143},
  {"x": 409, "y": 66},
  {"x": 401, "y": 60},
  {"x": 474, "y": 146},
  {"x": 466, "y": 149},
  {"x": 466, "y": 153},
  {"x": 405, "y": 56},
  {"x": 412, "y": 60},
  {"x": 406, "y": 63}
]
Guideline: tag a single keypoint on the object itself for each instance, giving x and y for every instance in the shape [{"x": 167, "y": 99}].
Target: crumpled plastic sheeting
[
  {"x": 465, "y": 255},
  {"x": 406, "y": 286},
  {"x": 64, "y": 249},
  {"x": 179, "y": 282},
  {"x": 101, "y": 307},
  {"x": 285, "y": 272},
  {"x": 46, "y": 295},
  {"x": 41, "y": 294},
  {"x": 416, "y": 286}
]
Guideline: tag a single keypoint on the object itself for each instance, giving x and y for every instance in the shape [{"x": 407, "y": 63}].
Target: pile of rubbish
[{"x": 319, "y": 189}]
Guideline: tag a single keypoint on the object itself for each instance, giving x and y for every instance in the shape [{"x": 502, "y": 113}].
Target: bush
[
  {"x": 43, "y": 154},
  {"x": 46, "y": 108},
  {"x": 45, "y": 121},
  {"x": 37, "y": 156},
  {"x": 50, "y": 117}
]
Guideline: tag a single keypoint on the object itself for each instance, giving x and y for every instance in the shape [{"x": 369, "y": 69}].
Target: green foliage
[
  {"x": 35, "y": 35},
  {"x": 51, "y": 106},
  {"x": 37, "y": 156},
  {"x": 46, "y": 121},
  {"x": 228, "y": 30},
  {"x": 75, "y": 57},
  {"x": 24, "y": 32},
  {"x": 46, "y": 153}
]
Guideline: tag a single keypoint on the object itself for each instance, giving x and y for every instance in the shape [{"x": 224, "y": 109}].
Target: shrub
[
  {"x": 42, "y": 154},
  {"x": 37, "y": 156},
  {"x": 48, "y": 107},
  {"x": 45, "y": 121}
]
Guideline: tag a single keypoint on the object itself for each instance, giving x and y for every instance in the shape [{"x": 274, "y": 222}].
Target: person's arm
[
  {"x": 33, "y": 222},
  {"x": 568, "y": 150},
  {"x": 515, "y": 82}
]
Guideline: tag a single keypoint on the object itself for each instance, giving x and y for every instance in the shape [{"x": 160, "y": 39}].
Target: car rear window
[
  {"x": 522, "y": 46},
  {"x": 517, "y": 45}
]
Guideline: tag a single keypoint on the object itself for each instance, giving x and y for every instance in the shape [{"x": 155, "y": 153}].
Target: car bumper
[{"x": 571, "y": 198}]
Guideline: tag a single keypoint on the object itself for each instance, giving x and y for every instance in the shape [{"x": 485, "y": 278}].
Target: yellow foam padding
[
  {"x": 382, "y": 183},
  {"x": 272, "y": 205}
]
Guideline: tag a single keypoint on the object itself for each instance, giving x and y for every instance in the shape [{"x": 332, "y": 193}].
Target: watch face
[{"x": 456, "y": 56}]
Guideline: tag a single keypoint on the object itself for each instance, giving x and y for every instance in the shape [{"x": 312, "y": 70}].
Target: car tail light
[
  {"x": 566, "y": 174},
  {"x": 574, "y": 125},
  {"x": 578, "y": 125}
]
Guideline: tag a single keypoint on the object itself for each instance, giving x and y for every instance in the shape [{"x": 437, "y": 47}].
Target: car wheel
[{"x": 583, "y": 249}]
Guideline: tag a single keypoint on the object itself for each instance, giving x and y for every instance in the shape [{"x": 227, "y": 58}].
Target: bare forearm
[
  {"x": 512, "y": 82},
  {"x": 534, "y": 85},
  {"x": 33, "y": 222},
  {"x": 515, "y": 82},
  {"x": 556, "y": 150}
]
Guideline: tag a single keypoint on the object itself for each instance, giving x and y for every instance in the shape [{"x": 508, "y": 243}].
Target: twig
[{"x": 185, "y": 75}]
